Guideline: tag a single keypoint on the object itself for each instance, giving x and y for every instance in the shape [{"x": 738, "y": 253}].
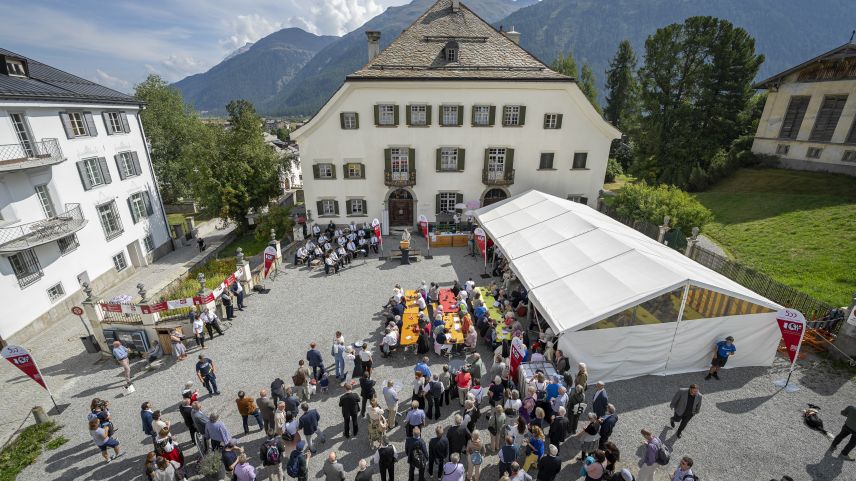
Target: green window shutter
[
  {"x": 387, "y": 159},
  {"x": 473, "y": 115},
  {"x": 356, "y": 120},
  {"x": 407, "y": 115},
  {"x": 365, "y": 207},
  {"x": 502, "y": 120},
  {"x": 333, "y": 170},
  {"x": 522, "y": 114},
  {"x": 437, "y": 204},
  {"x": 509, "y": 160},
  {"x": 411, "y": 160},
  {"x": 395, "y": 114},
  {"x": 362, "y": 171},
  {"x": 492, "y": 117},
  {"x": 427, "y": 115},
  {"x": 342, "y": 120},
  {"x": 336, "y": 207},
  {"x": 377, "y": 115},
  {"x": 460, "y": 115},
  {"x": 147, "y": 201},
  {"x": 316, "y": 171},
  {"x": 461, "y": 155},
  {"x": 459, "y": 198},
  {"x": 319, "y": 208},
  {"x": 439, "y": 156},
  {"x": 559, "y": 121},
  {"x": 134, "y": 216},
  {"x": 348, "y": 209},
  {"x": 486, "y": 159},
  {"x": 546, "y": 116}
]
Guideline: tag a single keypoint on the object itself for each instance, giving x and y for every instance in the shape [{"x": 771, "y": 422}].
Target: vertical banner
[
  {"x": 377, "y": 233},
  {"x": 518, "y": 352},
  {"x": 20, "y": 358},
  {"x": 792, "y": 324},
  {"x": 270, "y": 257},
  {"x": 481, "y": 242},
  {"x": 423, "y": 227}
]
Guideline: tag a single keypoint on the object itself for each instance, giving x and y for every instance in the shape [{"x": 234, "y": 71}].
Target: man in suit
[
  {"x": 686, "y": 403},
  {"x": 350, "y": 404},
  {"x": 549, "y": 465},
  {"x": 600, "y": 400},
  {"x": 267, "y": 408},
  {"x": 559, "y": 428},
  {"x": 146, "y": 417},
  {"x": 438, "y": 452},
  {"x": 458, "y": 436},
  {"x": 313, "y": 355},
  {"x": 607, "y": 424}
]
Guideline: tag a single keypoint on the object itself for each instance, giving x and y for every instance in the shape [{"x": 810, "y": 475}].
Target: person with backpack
[
  {"x": 271, "y": 455},
  {"x": 684, "y": 470},
  {"x": 385, "y": 458},
  {"x": 296, "y": 466},
  {"x": 656, "y": 454},
  {"x": 417, "y": 454}
]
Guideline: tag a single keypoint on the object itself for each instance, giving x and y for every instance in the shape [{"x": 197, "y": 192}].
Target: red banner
[
  {"x": 792, "y": 324},
  {"x": 152, "y": 308},
  {"x": 481, "y": 241},
  {"x": 270, "y": 257},
  {"x": 20, "y": 358},
  {"x": 198, "y": 301},
  {"x": 423, "y": 225},
  {"x": 518, "y": 352},
  {"x": 112, "y": 307},
  {"x": 377, "y": 233}
]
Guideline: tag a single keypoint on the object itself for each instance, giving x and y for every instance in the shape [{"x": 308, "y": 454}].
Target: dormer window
[
  {"x": 15, "y": 68},
  {"x": 450, "y": 52}
]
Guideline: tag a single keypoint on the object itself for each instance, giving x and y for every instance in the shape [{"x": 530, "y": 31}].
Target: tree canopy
[{"x": 622, "y": 89}]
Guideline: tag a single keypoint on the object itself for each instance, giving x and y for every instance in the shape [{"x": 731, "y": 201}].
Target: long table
[
  {"x": 489, "y": 301},
  {"x": 453, "y": 328},
  {"x": 448, "y": 301},
  {"x": 410, "y": 319}
]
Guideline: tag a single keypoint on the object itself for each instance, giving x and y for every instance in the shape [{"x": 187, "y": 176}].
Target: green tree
[
  {"x": 588, "y": 86},
  {"x": 283, "y": 134},
  {"x": 695, "y": 82},
  {"x": 279, "y": 219},
  {"x": 566, "y": 65},
  {"x": 622, "y": 89},
  {"x": 650, "y": 203}
]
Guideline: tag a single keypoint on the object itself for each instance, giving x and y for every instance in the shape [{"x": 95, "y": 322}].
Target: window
[
  {"x": 93, "y": 172},
  {"x": 354, "y": 170},
  {"x": 552, "y": 121},
  {"x": 546, "y": 161},
  {"x": 783, "y": 149},
  {"x": 399, "y": 163},
  {"x": 813, "y": 152},
  {"x": 119, "y": 262},
  {"x": 328, "y": 207},
  {"x": 45, "y": 200},
  {"x": 451, "y": 54},
  {"x": 481, "y": 115},
  {"x": 450, "y": 115},
  {"x": 386, "y": 114},
  {"x": 851, "y": 137},
  {"x": 448, "y": 159},
  {"x": 110, "y": 221},
  {"x": 78, "y": 125},
  {"x": 418, "y": 115},
  {"x": 794, "y": 117},
  {"x": 496, "y": 160},
  {"x": 324, "y": 171},
  {"x": 849, "y": 156},
  {"x": 827, "y": 118},
  {"x": 149, "y": 243},
  {"x": 67, "y": 244},
  {"x": 15, "y": 68},
  {"x": 141, "y": 206},
  {"x": 56, "y": 292},
  {"x": 26, "y": 266},
  {"x": 356, "y": 207},
  {"x": 513, "y": 115},
  {"x": 19, "y": 122},
  {"x": 580, "y": 159},
  {"x": 128, "y": 164},
  {"x": 580, "y": 199},
  {"x": 349, "y": 121},
  {"x": 447, "y": 201},
  {"x": 116, "y": 122}
]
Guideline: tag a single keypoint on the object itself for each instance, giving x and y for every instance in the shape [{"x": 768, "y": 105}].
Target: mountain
[
  {"x": 258, "y": 74},
  {"x": 323, "y": 75},
  {"x": 787, "y": 32},
  {"x": 238, "y": 51}
]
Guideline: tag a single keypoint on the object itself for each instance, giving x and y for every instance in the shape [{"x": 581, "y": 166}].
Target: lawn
[
  {"x": 248, "y": 242},
  {"x": 798, "y": 227}
]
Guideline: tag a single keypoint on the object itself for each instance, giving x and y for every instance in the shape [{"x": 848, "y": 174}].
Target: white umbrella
[{"x": 460, "y": 205}]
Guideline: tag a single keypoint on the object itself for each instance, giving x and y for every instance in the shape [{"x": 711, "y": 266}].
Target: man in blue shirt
[
  {"x": 120, "y": 353},
  {"x": 423, "y": 368},
  {"x": 206, "y": 373},
  {"x": 722, "y": 351}
]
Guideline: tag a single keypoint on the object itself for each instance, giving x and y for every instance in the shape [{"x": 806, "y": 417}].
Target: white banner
[{"x": 179, "y": 303}]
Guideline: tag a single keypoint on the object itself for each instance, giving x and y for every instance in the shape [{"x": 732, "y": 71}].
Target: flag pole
[{"x": 45, "y": 381}]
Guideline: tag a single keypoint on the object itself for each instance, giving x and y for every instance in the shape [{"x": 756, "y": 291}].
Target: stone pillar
[
  {"x": 297, "y": 232},
  {"x": 245, "y": 275},
  {"x": 846, "y": 338},
  {"x": 275, "y": 243},
  {"x": 203, "y": 293},
  {"x": 691, "y": 242},
  {"x": 146, "y": 319},
  {"x": 663, "y": 229},
  {"x": 94, "y": 315}
]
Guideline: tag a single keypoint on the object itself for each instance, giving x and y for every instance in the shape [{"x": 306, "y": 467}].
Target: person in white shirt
[
  {"x": 389, "y": 340},
  {"x": 352, "y": 249},
  {"x": 327, "y": 246},
  {"x": 470, "y": 285},
  {"x": 343, "y": 256},
  {"x": 364, "y": 247},
  {"x": 322, "y": 239},
  {"x": 341, "y": 241},
  {"x": 300, "y": 257},
  {"x": 373, "y": 243},
  {"x": 198, "y": 330},
  {"x": 420, "y": 301},
  {"x": 212, "y": 323},
  {"x": 329, "y": 263},
  {"x": 316, "y": 230}
]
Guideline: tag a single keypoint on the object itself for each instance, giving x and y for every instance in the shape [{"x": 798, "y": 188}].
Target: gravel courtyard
[{"x": 747, "y": 429}]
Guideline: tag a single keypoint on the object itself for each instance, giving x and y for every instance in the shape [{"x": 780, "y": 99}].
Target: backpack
[
  {"x": 293, "y": 466},
  {"x": 417, "y": 458},
  {"x": 663, "y": 454},
  {"x": 271, "y": 453}
]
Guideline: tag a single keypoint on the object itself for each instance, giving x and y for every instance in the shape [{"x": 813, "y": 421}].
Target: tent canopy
[{"x": 581, "y": 266}]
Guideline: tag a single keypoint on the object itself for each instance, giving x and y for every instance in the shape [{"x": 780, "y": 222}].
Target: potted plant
[{"x": 209, "y": 466}]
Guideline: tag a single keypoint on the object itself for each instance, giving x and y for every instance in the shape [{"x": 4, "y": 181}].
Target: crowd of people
[{"x": 336, "y": 247}]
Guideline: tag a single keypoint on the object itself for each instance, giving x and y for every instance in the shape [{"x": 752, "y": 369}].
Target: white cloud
[
  {"x": 111, "y": 81},
  {"x": 249, "y": 28},
  {"x": 335, "y": 17}
]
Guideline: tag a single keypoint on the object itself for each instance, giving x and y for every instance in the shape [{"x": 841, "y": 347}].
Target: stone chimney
[
  {"x": 513, "y": 35},
  {"x": 456, "y": 5},
  {"x": 374, "y": 43}
]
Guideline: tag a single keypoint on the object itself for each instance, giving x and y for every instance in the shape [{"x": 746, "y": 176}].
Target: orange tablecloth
[{"x": 453, "y": 328}]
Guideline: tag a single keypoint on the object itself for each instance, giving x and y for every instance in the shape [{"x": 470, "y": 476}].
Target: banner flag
[
  {"x": 481, "y": 242},
  {"x": 792, "y": 324},
  {"x": 152, "y": 308},
  {"x": 518, "y": 352},
  {"x": 377, "y": 233},
  {"x": 270, "y": 257},
  {"x": 20, "y": 358}
]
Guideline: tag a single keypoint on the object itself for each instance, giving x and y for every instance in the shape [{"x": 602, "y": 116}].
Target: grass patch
[
  {"x": 618, "y": 183},
  {"x": 797, "y": 227},
  {"x": 25, "y": 449},
  {"x": 56, "y": 442},
  {"x": 248, "y": 242}
]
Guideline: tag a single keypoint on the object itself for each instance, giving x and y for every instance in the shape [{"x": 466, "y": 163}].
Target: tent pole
[{"x": 678, "y": 322}]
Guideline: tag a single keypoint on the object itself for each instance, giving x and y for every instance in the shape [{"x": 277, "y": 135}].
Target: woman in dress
[
  {"x": 167, "y": 448},
  {"x": 377, "y": 424},
  {"x": 589, "y": 436},
  {"x": 178, "y": 349},
  {"x": 475, "y": 456}
]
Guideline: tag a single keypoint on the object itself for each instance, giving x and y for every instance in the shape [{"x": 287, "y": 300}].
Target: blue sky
[{"x": 118, "y": 43}]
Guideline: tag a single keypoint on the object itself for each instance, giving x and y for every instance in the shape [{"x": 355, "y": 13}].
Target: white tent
[{"x": 621, "y": 302}]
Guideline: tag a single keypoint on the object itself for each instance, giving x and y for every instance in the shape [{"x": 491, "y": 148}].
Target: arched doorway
[
  {"x": 400, "y": 204},
  {"x": 494, "y": 195}
]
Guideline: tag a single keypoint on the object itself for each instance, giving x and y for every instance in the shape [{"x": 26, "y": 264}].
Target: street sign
[{"x": 77, "y": 310}]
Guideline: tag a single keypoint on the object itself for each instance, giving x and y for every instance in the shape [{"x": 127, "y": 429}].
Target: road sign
[{"x": 77, "y": 310}]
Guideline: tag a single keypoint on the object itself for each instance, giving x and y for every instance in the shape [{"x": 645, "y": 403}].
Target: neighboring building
[
  {"x": 78, "y": 198},
  {"x": 809, "y": 120},
  {"x": 452, "y": 111}
]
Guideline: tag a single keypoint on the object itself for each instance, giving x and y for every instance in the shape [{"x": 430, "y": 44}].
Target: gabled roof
[
  {"x": 848, "y": 50},
  {"x": 48, "y": 83},
  {"x": 581, "y": 266},
  {"x": 484, "y": 53}
]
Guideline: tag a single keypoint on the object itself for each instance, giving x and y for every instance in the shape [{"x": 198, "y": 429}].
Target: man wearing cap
[{"x": 722, "y": 351}]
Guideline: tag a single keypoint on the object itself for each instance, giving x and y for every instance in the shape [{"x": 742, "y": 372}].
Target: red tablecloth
[{"x": 448, "y": 301}]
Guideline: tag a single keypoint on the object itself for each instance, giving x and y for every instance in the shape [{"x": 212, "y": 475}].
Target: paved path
[{"x": 707, "y": 243}]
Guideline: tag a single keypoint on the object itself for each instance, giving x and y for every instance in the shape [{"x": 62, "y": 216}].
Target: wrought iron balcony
[
  {"x": 30, "y": 154},
  {"x": 26, "y": 236},
  {"x": 399, "y": 179},
  {"x": 491, "y": 177}
]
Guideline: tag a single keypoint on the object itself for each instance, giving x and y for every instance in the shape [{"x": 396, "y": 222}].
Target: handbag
[{"x": 579, "y": 408}]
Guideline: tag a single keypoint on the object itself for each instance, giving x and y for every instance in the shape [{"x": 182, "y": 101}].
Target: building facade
[
  {"x": 78, "y": 197},
  {"x": 453, "y": 111},
  {"x": 809, "y": 119}
]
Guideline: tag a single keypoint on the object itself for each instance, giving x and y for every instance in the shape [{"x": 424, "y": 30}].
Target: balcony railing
[
  {"x": 30, "y": 154},
  {"x": 26, "y": 236},
  {"x": 492, "y": 177},
  {"x": 399, "y": 179}
]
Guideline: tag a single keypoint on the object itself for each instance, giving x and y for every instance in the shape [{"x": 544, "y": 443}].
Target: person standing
[
  {"x": 434, "y": 397},
  {"x": 475, "y": 456},
  {"x": 313, "y": 356},
  {"x": 244, "y": 471},
  {"x": 414, "y": 418},
  {"x": 267, "y": 408},
  {"x": 207, "y": 374},
  {"x": 186, "y": 411},
  {"x": 581, "y": 379},
  {"x": 247, "y": 408},
  {"x": 607, "y": 424},
  {"x": 458, "y": 436},
  {"x": 309, "y": 423},
  {"x": 463, "y": 380},
  {"x": 600, "y": 400},
  {"x": 508, "y": 455},
  {"x": 101, "y": 436},
  {"x": 685, "y": 468},
  {"x": 367, "y": 391},
  {"x": 238, "y": 290},
  {"x": 453, "y": 470},
  {"x": 200, "y": 422},
  {"x": 384, "y": 457},
  {"x": 649, "y": 459},
  {"x": 549, "y": 465},
  {"x": 146, "y": 417},
  {"x": 848, "y": 429},
  {"x": 559, "y": 429},
  {"x": 363, "y": 472},
  {"x": 366, "y": 358},
  {"x": 390, "y": 395},
  {"x": 120, "y": 354},
  {"x": 333, "y": 469},
  {"x": 216, "y": 431},
  {"x": 721, "y": 352},
  {"x": 686, "y": 403},
  {"x": 198, "y": 330},
  {"x": 300, "y": 378},
  {"x": 577, "y": 406},
  {"x": 226, "y": 300},
  {"x": 377, "y": 424},
  {"x": 212, "y": 322},
  {"x": 337, "y": 350},
  {"x": 271, "y": 453},
  {"x": 417, "y": 454},
  {"x": 438, "y": 452},
  {"x": 350, "y": 404},
  {"x": 277, "y": 391}
]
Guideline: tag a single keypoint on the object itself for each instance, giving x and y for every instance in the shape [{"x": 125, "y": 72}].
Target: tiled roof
[
  {"x": 484, "y": 53},
  {"x": 846, "y": 51},
  {"x": 49, "y": 83}
]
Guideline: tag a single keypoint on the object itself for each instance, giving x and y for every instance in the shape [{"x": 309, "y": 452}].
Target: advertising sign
[
  {"x": 270, "y": 257},
  {"x": 376, "y": 227},
  {"x": 792, "y": 324},
  {"x": 20, "y": 358},
  {"x": 481, "y": 241}
]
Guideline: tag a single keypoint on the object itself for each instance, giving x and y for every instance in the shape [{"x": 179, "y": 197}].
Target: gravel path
[
  {"x": 747, "y": 428},
  {"x": 707, "y": 243}
]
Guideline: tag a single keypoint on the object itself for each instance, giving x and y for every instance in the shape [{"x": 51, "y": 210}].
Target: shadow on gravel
[
  {"x": 743, "y": 406},
  {"x": 828, "y": 468},
  {"x": 81, "y": 364}
]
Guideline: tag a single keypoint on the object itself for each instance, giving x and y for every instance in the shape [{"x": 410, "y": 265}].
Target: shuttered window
[
  {"x": 93, "y": 172},
  {"x": 794, "y": 117},
  {"x": 116, "y": 122},
  {"x": 356, "y": 207},
  {"x": 78, "y": 124},
  {"x": 827, "y": 118},
  {"x": 110, "y": 221},
  {"x": 546, "y": 162},
  {"x": 483, "y": 115},
  {"x": 128, "y": 164},
  {"x": 349, "y": 120},
  {"x": 851, "y": 137},
  {"x": 513, "y": 115},
  {"x": 552, "y": 121},
  {"x": 140, "y": 205}
]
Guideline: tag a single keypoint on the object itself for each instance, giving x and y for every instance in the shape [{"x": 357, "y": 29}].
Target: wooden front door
[{"x": 401, "y": 208}]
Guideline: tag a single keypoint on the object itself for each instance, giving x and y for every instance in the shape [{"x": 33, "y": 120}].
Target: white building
[
  {"x": 78, "y": 198},
  {"x": 809, "y": 120},
  {"x": 452, "y": 111}
]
